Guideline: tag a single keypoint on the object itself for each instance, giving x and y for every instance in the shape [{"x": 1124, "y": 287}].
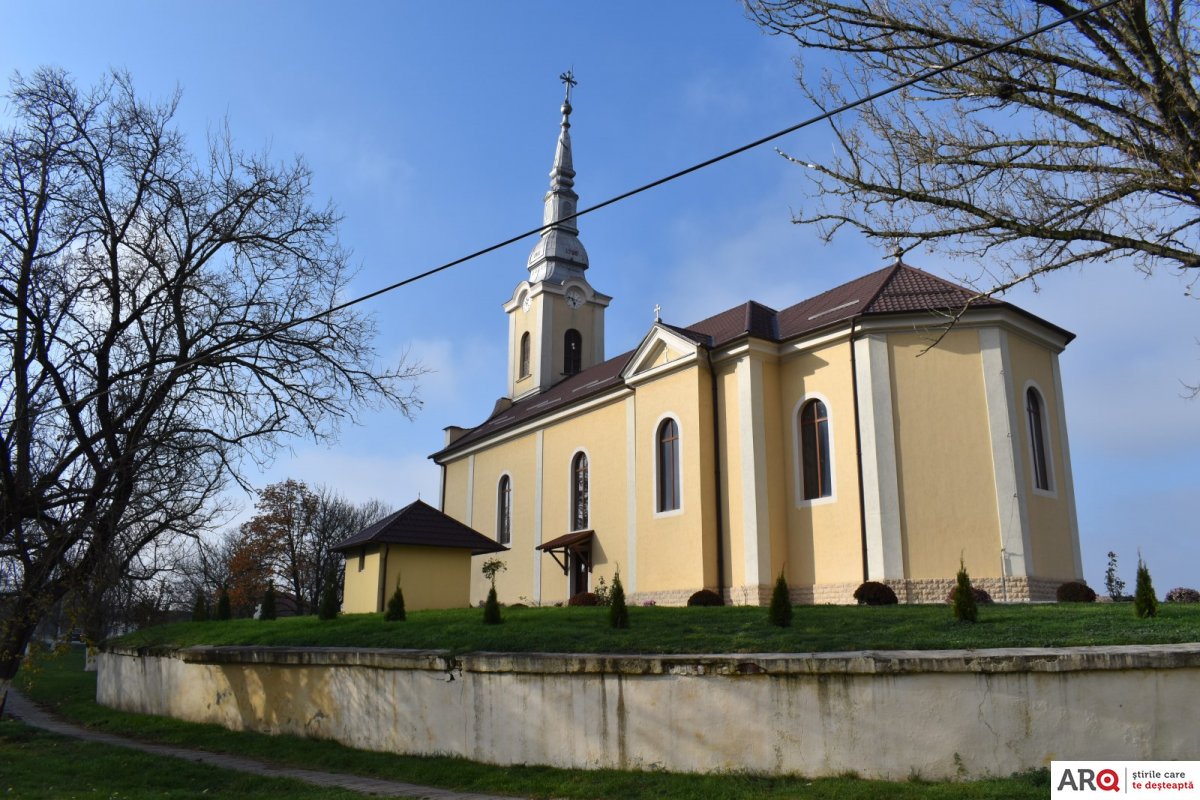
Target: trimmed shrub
[
  {"x": 583, "y": 599},
  {"x": 781, "y": 604},
  {"x": 1182, "y": 594},
  {"x": 395, "y": 608},
  {"x": 200, "y": 608},
  {"x": 491, "y": 609},
  {"x": 618, "y": 614},
  {"x": 705, "y": 597},
  {"x": 329, "y": 606},
  {"x": 223, "y": 610},
  {"x": 1075, "y": 592},
  {"x": 981, "y": 596},
  {"x": 874, "y": 593},
  {"x": 1145, "y": 604},
  {"x": 268, "y": 604},
  {"x": 965, "y": 608}
]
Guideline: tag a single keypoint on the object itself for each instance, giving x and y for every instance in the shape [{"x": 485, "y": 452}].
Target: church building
[{"x": 848, "y": 437}]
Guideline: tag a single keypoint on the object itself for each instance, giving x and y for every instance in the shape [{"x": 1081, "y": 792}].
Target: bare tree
[
  {"x": 1081, "y": 144},
  {"x": 145, "y": 350},
  {"x": 337, "y": 519}
]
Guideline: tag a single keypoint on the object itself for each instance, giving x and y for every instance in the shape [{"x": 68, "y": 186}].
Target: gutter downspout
[
  {"x": 383, "y": 554},
  {"x": 862, "y": 508},
  {"x": 712, "y": 375}
]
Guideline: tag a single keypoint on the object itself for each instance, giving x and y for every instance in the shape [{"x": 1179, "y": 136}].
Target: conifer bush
[
  {"x": 268, "y": 603},
  {"x": 981, "y": 596},
  {"x": 200, "y": 608},
  {"x": 223, "y": 610},
  {"x": 583, "y": 599},
  {"x": 705, "y": 597},
  {"x": 965, "y": 609},
  {"x": 874, "y": 593},
  {"x": 1145, "y": 604},
  {"x": 395, "y": 608},
  {"x": 1075, "y": 592},
  {"x": 329, "y": 607},
  {"x": 618, "y": 614},
  {"x": 491, "y": 609},
  {"x": 781, "y": 604}
]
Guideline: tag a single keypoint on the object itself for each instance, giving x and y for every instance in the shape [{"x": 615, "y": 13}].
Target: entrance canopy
[{"x": 578, "y": 544}]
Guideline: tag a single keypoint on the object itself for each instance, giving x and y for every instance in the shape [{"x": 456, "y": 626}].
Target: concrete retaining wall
[{"x": 895, "y": 714}]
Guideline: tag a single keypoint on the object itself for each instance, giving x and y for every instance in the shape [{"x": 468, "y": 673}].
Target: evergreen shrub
[
  {"x": 981, "y": 596},
  {"x": 781, "y": 604},
  {"x": 965, "y": 608},
  {"x": 1075, "y": 592},
  {"x": 329, "y": 606},
  {"x": 395, "y": 608},
  {"x": 874, "y": 593},
  {"x": 200, "y": 608},
  {"x": 491, "y": 609},
  {"x": 268, "y": 610},
  {"x": 1145, "y": 604},
  {"x": 618, "y": 614},
  {"x": 223, "y": 610},
  {"x": 584, "y": 599}
]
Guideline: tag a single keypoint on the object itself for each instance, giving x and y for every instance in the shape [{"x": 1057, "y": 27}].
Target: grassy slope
[
  {"x": 62, "y": 686},
  {"x": 707, "y": 630}
]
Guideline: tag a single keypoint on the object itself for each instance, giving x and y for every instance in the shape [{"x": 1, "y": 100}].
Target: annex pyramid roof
[{"x": 419, "y": 523}]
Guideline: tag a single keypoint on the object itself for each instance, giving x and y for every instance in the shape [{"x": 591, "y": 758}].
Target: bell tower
[{"x": 555, "y": 317}]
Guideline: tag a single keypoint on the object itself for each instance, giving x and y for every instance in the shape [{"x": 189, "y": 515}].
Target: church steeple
[
  {"x": 555, "y": 317},
  {"x": 559, "y": 255}
]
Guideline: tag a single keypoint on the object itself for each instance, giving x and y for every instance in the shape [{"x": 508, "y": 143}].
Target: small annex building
[
  {"x": 422, "y": 549},
  {"x": 851, "y": 436}
]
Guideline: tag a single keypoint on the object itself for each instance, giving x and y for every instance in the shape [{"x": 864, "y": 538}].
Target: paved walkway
[{"x": 21, "y": 708}]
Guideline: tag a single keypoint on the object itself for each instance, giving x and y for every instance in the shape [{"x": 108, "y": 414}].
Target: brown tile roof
[
  {"x": 419, "y": 523},
  {"x": 896, "y": 289}
]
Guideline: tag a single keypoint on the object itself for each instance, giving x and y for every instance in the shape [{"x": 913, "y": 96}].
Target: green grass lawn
[
  {"x": 60, "y": 685},
  {"x": 707, "y": 630}
]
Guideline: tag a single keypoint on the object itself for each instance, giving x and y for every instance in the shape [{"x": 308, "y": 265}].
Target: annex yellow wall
[
  {"x": 360, "y": 588},
  {"x": 673, "y": 553},
  {"x": 431, "y": 577},
  {"x": 1049, "y": 516},
  {"x": 600, "y": 432},
  {"x": 943, "y": 455},
  {"x": 824, "y": 538}
]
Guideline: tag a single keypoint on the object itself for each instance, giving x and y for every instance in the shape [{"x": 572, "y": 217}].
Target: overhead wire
[{"x": 826, "y": 115}]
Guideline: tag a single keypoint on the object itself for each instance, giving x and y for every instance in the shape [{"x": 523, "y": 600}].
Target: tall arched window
[
  {"x": 579, "y": 492},
  {"x": 572, "y": 352},
  {"x": 1037, "y": 439},
  {"x": 504, "y": 510},
  {"x": 815, "y": 469},
  {"x": 667, "y": 443},
  {"x": 524, "y": 373}
]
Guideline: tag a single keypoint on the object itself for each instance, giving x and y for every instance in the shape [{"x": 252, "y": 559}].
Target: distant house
[
  {"x": 424, "y": 551},
  {"x": 827, "y": 441}
]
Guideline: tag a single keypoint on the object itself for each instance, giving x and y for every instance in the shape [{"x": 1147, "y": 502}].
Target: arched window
[
  {"x": 579, "y": 492},
  {"x": 1037, "y": 439},
  {"x": 524, "y": 373},
  {"x": 667, "y": 443},
  {"x": 572, "y": 352},
  {"x": 504, "y": 510},
  {"x": 816, "y": 475}
]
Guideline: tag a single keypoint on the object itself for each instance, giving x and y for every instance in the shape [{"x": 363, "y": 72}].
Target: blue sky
[{"x": 431, "y": 126}]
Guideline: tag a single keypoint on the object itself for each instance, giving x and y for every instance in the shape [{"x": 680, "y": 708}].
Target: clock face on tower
[
  {"x": 526, "y": 303},
  {"x": 574, "y": 298}
]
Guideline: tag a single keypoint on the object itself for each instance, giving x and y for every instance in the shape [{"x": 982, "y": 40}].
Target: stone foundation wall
[{"x": 891, "y": 715}]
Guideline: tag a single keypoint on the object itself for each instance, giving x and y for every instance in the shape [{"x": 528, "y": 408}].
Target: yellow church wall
[
  {"x": 431, "y": 577},
  {"x": 824, "y": 538},
  {"x": 600, "y": 433},
  {"x": 526, "y": 322},
  {"x": 516, "y": 458},
  {"x": 776, "y": 466},
  {"x": 673, "y": 554},
  {"x": 943, "y": 456},
  {"x": 454, "y": 488},
  {"x": 1049, "y": 515},
  {"x": 360, "y": 588},
  {"x": 582, "y": 319},
  {"x": 732, "y": 508}
]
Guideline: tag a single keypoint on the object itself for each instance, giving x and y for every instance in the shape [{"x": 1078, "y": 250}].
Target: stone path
[{"x": 21, "y": 708}]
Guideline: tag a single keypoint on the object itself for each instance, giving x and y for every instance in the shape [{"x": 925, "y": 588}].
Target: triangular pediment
[{"x": 661, "y": 351}]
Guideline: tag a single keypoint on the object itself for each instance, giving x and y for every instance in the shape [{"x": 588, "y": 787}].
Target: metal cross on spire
[{"x": 568, "y": 79}]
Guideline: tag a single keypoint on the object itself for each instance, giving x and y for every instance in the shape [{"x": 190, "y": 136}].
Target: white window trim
[
  {"x": 571, "y": 491},
  {"x": 1047, "y": 443},
  {"x": 674, "y": 512},
  {"x": 798, "y": 454},
  {"x": 504, "y": 475}
]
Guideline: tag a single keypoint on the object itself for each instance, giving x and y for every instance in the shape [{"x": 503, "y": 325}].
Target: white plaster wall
[{"x": 940, "y": 715}]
